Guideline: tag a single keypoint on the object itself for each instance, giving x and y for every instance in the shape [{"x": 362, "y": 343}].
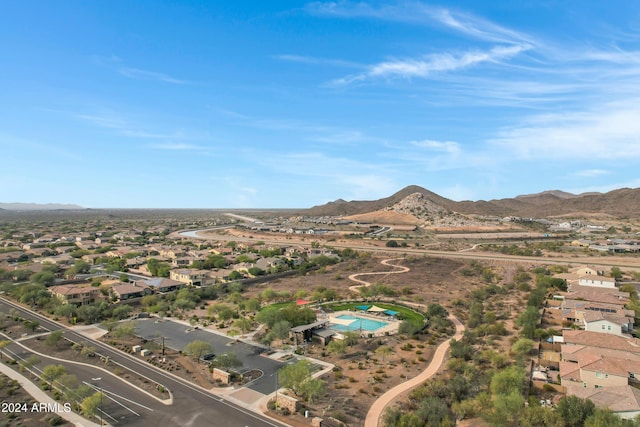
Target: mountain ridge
[{"x": 623, "y": 202}]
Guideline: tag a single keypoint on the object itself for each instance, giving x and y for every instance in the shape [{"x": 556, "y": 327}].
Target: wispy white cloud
[
  {"x": 117, "y": 64},
  {"x": 448, "y": 147},
  {"x": 591, "y": 173},
  {"x": 104, "y": 120},
  {"x": 611, "y": 132},
  {"x": 425, "y": 66},
  {"x": 124, "y": 127},
  {"x": 318, "y": 61},
  {"x": 177, "y": 146},
  {"x": 360, "y": 179},
  {"x": 136, "y": 73},
  {"x": 308, "y": 131},
  {"x": 419, "y": 13}
]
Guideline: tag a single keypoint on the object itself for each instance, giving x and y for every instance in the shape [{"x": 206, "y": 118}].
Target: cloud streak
[
  {"x": 430, "y": 64},
  {"x": 421, "y": 14},
  {"x": 177, "y": 147},
  {"x": 136, "y": 73},
  {"x": 608, "y": 134}
]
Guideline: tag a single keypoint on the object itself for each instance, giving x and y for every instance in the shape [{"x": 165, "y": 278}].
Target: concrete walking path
[
  {"x": 375, "y": 412},
  {"x": 42, "y": 397}
]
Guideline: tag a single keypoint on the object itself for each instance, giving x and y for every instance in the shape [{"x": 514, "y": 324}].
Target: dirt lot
[
  {"x": 17, "y": 407},
  {"x": 362, "y": 375}
]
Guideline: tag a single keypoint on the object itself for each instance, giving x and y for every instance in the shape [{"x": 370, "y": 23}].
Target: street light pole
[{"x": 100, "y": 391}]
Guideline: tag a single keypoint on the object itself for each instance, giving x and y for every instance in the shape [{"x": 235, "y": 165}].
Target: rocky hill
[{"x": 427, "y": 205}]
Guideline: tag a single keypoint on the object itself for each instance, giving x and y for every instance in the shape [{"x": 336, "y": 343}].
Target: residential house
[
  {"x": 192, "y": 277},
  {"x": 183, "y": 261},
  {"x": 598, "y": 321},
  {"x": 75, "y": 294},
  {"x": 584, "y": 271},
  {"x": 597, "y": 281},
  {"x": 600, "y": 340},
  {"x": 596, "y": 370},
  {"x": 64, "y": 259},
  {"x": 161, "y": 284},
  {"x": 126, "y": 291},
  {"x": 623, "y": 401},
  {"x": 270, "y": 263}
]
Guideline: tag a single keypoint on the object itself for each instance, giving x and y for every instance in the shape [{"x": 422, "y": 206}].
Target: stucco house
[{"x": 75, "y": 294}]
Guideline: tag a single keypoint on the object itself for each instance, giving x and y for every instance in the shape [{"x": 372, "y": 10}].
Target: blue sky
[{"x": 266, "y": 104}]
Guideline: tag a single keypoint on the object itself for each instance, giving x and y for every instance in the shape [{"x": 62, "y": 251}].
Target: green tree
[
  {"x": 256, "y": 271},
  {"x": 507, "y": 409},
  {"x": 392, "y": 244},
  {"x": 616, "y": 273},
  {"x": 244, "y": 324},
  {"x": 312, "y": 389},
  {"x": 510, "y": 380},
  {"x": 66, "y": 310},
  {"x": 338, "y": 347},
  {"x": 574, "y": 411},
  {"x": 197, "y": 349},
  {"x": 91, "y": 405},
  {"x": 149, "y": 300},
  {"x": 522, "y": 348},
  {"x": 32, "y": 325},
  {"x": 124, "y": 330},
  {"x": 294, "y": 375},
  {"x": 279, "y": 331},
  {"x": 121, "y": 312},
  {"x": 539, "y": 416},
  {"x": 228, "y": 360},
  {"x": 45, "y": 278},
  {"x": 54, "y": 338},
  {"x": 51, "y": 372},
  {"x": 79, "y": 267},
  {"x": 223, "y": 311},
  {"x": 606, "y": 418},
  {"x": 252, "y": 304},
  {"x": 384, "y": 351},
  {"x": 528, "y": 320}
]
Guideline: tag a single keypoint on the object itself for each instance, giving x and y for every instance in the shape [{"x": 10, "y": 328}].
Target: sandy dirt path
[
  {"x": 387, "y": 262},
  {"x": 377, "y": 409}
]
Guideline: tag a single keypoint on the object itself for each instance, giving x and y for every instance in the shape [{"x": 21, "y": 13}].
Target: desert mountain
[
  {"x": 624, "y": 202},
  {"x": 37, "y": 207}
]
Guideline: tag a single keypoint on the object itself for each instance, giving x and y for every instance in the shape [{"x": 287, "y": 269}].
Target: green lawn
[{"x": 278, "y": 305}]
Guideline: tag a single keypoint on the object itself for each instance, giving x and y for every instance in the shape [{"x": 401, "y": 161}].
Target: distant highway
[{"x": 608, "y": 261}]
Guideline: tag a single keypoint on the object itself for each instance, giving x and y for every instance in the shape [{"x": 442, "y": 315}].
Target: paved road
[
  {"x": 122, "y": 404},
  {"x": 178, "y": 335},
  {"x": 375, "y": 412},
  {"x": 570, "y": 259},
  {"x": 192, "y": 406}
]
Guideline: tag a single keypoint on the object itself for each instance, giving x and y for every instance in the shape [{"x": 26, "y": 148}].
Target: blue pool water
[{"x": 357, "y": 324}]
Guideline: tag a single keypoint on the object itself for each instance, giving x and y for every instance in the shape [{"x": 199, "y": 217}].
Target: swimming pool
[{"x": 356, "y": 323}]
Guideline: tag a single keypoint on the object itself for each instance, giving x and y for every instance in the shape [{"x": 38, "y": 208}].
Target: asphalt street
[{"x": 192, "y": 405}]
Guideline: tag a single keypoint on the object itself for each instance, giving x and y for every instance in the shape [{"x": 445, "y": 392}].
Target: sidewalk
[{"x": 43, "y": 397}]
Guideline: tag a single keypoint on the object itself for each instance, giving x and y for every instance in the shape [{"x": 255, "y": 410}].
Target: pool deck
[{"x": 391, "y": 327}]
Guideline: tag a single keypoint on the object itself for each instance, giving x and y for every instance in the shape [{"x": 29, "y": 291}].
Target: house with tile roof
[
  {"x": 624, "y": 401},
  {"x": 75, "y": 294},
  {"x": 161, "y": 284}
]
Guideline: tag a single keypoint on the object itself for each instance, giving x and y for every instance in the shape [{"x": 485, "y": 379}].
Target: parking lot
[{"x": 177, "y": 336}]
